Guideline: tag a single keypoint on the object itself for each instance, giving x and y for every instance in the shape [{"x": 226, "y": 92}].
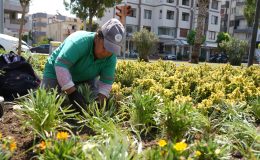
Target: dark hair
[{"x": 100, "y": 34}]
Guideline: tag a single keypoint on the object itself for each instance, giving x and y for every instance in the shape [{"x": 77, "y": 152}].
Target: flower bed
[{"x": 157, "y": 111}]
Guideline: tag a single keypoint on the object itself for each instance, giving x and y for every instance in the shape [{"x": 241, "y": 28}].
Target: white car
[{"x": 10, "y": 44}]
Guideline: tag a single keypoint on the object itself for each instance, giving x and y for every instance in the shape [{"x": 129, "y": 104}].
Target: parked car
[
  {"x": 167, "y": 55},
  {"x": 44, "y": 48},
  {"x": 133, "y": 54},
  {"x": 10, "y": 44},
  {"x": 219, "y": 58}
]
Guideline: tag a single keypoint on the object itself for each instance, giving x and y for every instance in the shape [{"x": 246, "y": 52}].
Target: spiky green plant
[
  {"x": 60, "y": 146},
  {"x": 177, "y": 120},
  {"x": 142, "y": 108},
  {"x": 43, "y": 112}
]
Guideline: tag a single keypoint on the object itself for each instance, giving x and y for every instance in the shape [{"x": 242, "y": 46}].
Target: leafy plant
[
  {"x": 142, "y": 110},
  {"x": 86, "y": 91},
  {"x": 145, "y": 42},
  {"x": 7, "y": 147},
  {"x": 235, "y": 48},
  {"x": 255, "y": 107},
  {"x": 43, "y": 111},
  {"x": 209, "y": 150},
  {"x": 244, "y": 137},
  {"x": 61, "y": 146},
  {"x": 178, "y": 119}
]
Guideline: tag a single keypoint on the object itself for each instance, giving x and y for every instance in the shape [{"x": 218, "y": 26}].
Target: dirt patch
[{"x": 11, "y": 126}]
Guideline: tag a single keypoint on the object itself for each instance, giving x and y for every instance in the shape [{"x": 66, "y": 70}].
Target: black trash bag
[{"x": 18, "y": 76}]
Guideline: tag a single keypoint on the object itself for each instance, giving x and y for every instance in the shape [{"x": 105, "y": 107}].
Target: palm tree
[
  {"x": 199, "y": 37},
  {"x": 24, "y": 4}
]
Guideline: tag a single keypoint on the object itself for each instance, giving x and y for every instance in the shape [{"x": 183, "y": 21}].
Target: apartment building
[
  {"x": 57, "y": 27},
  {"x": 171, "y": 20},
  {"x": 59, "y": 30},
  {"x": 12, "y": 15}
]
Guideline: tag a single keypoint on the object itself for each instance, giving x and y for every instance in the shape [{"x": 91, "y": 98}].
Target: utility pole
[
  {"x": 254, "y": 34},
  {"x": 2, "y": 16},
  {"x": 123, "y": 11}
]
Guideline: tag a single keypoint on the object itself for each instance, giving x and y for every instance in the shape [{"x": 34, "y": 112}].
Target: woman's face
[{"x": 99, "y": 50}]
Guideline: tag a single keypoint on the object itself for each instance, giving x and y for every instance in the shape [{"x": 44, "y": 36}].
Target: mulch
[{"x": 11, "y": 126}]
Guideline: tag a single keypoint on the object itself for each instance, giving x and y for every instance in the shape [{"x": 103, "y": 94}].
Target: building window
[
  {"x": 160, "y": 14},
  {"x": 147, "y": 14},
  {"x": 170, "y": 1},
  {"x": 131, "y": 29},
  {"x": 185, "y": 16},
  {"x": 133, "y": 13},
  {"x": 166, "y": 31},
  {"x": 183, "y": 32},
  {"x": 231, "y": 23},
  {"x": 148, "y": 28},
  {"x": 185, "y": 2},
  {"x": 214, "y": 4},
  {"x": 214, "y": 19},
  {"x": 212, "y": 35},
  {"x": 170, "y": 14}
]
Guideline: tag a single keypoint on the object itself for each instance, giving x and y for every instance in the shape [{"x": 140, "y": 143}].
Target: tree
[
  {"x": 235, "y": 49},
  {"x": 24, "y": 4},
  {"x": 249, "y": 11},
  {"x": 202, "y": 14},
  {"x": 87, "y": 8},
  {"x": 222, "y": 36},
  {"x": 145, "y": 42},
  {"x": 191, "y": 37},
  {"x": 254, "y": 34}
]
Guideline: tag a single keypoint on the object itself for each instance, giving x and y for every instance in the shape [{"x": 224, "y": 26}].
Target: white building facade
[
  {"x": 171, "y": 20},
  {"x": 12, "y": 15}
]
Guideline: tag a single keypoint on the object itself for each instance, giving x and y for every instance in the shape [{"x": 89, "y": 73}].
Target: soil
[{"x": 11, "y": 126}]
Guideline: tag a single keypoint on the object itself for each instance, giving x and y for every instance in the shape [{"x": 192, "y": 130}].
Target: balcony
[
  {"x": 243, "y": 30},
  {"x": 14, "y": 5}
]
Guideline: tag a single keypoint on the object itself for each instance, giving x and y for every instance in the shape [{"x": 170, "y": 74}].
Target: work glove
[{"x": 77, "y": 99}]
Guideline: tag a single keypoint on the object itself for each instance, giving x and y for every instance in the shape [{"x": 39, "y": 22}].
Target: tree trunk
[
  {"x": 21, "y": 29},
  {"x": 84, "y": 24},
  {"x": 254, "y": 34},
  {"x": 202, "y": 12},
  {"x": 90, "y": 23}
]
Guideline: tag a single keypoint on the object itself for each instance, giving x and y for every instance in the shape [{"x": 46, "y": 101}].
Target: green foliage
[
  {"x": 235, "y": 49},
  {"x": 7, "y": 147},
  {"x": 255, "y": 106},
  {"x": 85, "y": 9},
  {"x": 222, "y": 36},
  {"x": 244, "y": 137},
  {"x": 44, "y": 41},
  {"x": 142, "y": 110},
  {"x": 113, "y": 145},
  {"x": 178, "y": 119},
  {"x": 145, "y": 42},
  {"x": 191, "y": 37},
  {"x": 61, "y": 147},
  {"x": 249, "y": 11},
  {"x": 210, "y": 150},
  {"x": 86, "y": 91},
  {"x": 43, "y": 111}
]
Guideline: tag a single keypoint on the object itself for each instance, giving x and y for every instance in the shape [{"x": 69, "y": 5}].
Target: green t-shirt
[{"x": 76, "y": 54}]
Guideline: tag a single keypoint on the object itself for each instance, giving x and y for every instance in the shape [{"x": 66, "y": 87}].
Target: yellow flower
[
  {"x": 197, "y": 153},
  {"x": 181, "y": 146},
  {"x": 42, "y": 145},
  {"x": 62, "y": 135},
  {"x": 162, "y": 143},
  {"x": 12, "y": 146},
  {"x": 0, "y": 135}
]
